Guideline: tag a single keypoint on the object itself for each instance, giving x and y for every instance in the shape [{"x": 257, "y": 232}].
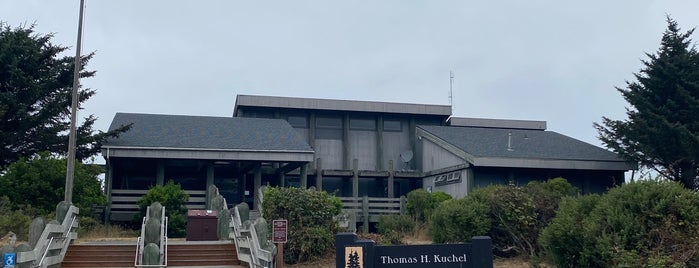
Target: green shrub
[
  {"x": 564, "y": 240},
  {"x": 421, "y": 203},
  {"x": 641, "y": 224},
  {"x": 39, "y": 182},
  {"x": 400, "y": 224},
  {"x": 458, "y": 220},
  {"x": 438, "y": 197},
  {"x": 310, "y": 220},
  {"x": 512, "y": 216},
  {"x": 16, "y": 220},
  {"x": 174, "y": 199}
]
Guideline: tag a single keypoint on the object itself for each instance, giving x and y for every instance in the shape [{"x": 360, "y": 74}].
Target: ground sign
[{"x": 353, "y": 253}]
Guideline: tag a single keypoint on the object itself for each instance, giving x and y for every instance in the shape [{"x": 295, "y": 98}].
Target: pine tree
[
  {"x": 35, "y": 97},
  {"x": 662, "y": 129},
  {"x": 353, "y": 261}
]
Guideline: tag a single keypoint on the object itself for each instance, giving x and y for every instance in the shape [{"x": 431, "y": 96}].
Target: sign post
[{"x": 279, "y": 237}]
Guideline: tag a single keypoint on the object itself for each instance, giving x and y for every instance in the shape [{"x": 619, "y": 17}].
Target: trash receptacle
[{"x": 202, "y": 225}]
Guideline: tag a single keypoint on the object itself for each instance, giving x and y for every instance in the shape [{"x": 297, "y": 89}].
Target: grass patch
[{"x": 107, "y": 232}]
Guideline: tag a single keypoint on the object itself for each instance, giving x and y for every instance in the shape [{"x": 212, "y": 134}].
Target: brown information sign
[{"x": 279, "y": 231}]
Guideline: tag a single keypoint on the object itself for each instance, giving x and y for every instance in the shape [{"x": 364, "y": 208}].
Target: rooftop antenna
[{"x": 451, "y": 91}]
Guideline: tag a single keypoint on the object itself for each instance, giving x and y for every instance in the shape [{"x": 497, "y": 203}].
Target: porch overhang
[{"x": 207, "y": 154}]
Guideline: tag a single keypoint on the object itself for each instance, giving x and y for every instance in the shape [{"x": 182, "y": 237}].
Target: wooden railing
[
  {"x": 368, "y": 209},
  {"x": 123, "y": 203},
  {"x": 247, "y": 244},
  {"x": 53, "y": 243}
]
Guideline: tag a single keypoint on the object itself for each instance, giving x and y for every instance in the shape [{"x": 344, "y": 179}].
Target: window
[
  {"x": 456, "y": 177},
  {"x": 297, "y": 121},
  {"x": 329, "y": 122},
  {"x": 329, "y": 128},
  {"x": 362, "y": 124},
  {"x": 392, "y": 125}
]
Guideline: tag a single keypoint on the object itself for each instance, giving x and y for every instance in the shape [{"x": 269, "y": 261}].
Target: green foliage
[
  {"x": 400, "y": 224},
  {"x": 512, "y": 216},
  {"x": 35, "y": 97},
  {"x": 642, "y": 224},
  {"x": 564, "y": 240},
  {"x": 14, "y": 219},
  {"x": 421, "y": 203},
  {"x": 458, "y": 220},
  {"x": 310, "y": 220},
  {"x": 40, "y": 182},
  {"x": 662, "y": 128},
  {"x": 174, "y": 199}
]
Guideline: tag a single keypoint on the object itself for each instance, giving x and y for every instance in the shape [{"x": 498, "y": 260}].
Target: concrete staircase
[{"x": 180, "y": 254}]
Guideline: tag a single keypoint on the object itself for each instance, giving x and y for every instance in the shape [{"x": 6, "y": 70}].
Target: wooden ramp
[{"x": 104, "y": 254}]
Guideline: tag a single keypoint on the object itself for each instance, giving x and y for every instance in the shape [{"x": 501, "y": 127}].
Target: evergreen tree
[
  {"x": 662, "y": 129},
  {"x": 35, "y": 98},
  {"x": 353, "y": 261},
  {"x": 39, "y": 182}
]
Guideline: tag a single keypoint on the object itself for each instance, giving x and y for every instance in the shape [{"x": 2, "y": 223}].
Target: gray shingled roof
[
  {"x": 226, "y": 133},
  {"x": 530, "y": 144}
]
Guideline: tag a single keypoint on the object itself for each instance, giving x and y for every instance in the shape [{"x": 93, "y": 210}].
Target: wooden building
[{"x": 349, "y": 148}]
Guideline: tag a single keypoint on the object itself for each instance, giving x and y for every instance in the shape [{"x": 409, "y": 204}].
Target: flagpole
[{"x": 70, "y": 169}]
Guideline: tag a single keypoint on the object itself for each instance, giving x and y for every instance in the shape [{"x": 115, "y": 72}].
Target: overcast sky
[{"x": 557, "y": 61}]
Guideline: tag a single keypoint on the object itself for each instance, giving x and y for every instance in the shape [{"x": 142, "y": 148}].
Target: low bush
[
  {"x": 310, "y": 219},
  {"x": 15, "y": 220},
  {"x": 641, "y": 224},
  {"x": 395, "y": 226},
  {"x": 512, "y": 216},
  {"x": 458, "y": 220},
  {"x": 421, "y": 203}
]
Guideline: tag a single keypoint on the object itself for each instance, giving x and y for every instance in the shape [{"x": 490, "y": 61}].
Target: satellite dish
[{"x": 406, "y": 156}]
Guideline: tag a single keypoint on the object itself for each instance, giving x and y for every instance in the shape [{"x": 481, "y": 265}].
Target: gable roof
[
  {"x": 176, "y": 133},
  {"x": 527, "y": 148}
]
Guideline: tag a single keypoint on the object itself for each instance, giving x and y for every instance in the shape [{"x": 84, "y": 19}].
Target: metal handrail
[
  {"x": 137, "y": 255},
  {"x": 46, "y": 251},
  {"x": 64, "y": 236},
  {"x": 163, "y": 241},
  {"x": 163, "y": 238}
]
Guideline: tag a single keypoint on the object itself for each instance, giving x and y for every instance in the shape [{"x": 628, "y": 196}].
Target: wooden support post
[
  {"x": 160, "y": 173},
  {"x": 304, "y": 176},
  {"x": 355, "y": 188},
  {"x": 355, "y": 179},
  {"x": 390, "y": 179},
  {"x": 346, "y": 142},
  {"x": 379, "y": 143},
  {"x": 319, "y": 174},
  {"x": 403, "y": 205},
  {"x": 108, "y": 188},
  {"x": 365, "y": 214},
  {"x": 257, "y": 183},
  {"x": 209, "y": 182},
  {"x": 280, "y": 255}
]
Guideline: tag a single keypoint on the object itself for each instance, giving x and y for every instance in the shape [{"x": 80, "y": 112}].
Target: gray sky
[{"x": 557, "y": 61}]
